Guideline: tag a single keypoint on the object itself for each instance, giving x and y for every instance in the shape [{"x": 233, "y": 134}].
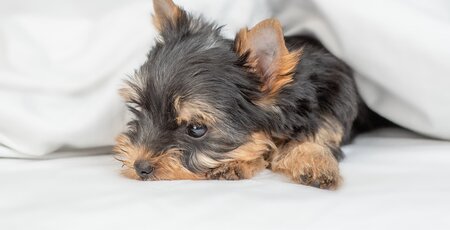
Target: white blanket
[
  {"x": 400, "y": 51},
  {"x": 392, "y": 181},
  {"x": 61, "y": 62}
]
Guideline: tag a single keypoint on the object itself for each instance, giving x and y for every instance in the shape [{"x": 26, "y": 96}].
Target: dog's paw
[
  {"x": 228, "y": 171},
  {"x": 320, "y": 178},
  {"x": 237, "y": 170},
  {"x": 308, "y": 163}
]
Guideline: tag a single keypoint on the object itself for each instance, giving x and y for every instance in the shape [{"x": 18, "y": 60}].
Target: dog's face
[{"x": 200, "y": 100}]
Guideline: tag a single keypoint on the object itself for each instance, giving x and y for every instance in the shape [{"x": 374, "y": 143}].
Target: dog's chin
[{"x": 130, "y": 173}]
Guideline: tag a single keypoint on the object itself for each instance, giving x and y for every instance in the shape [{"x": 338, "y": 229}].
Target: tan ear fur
[
  {"x": 165, "y": 12},
  {"x": 268, "y": 57}
]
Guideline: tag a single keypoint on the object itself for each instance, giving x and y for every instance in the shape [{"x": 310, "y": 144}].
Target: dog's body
[{"x": 211, "y": 108}]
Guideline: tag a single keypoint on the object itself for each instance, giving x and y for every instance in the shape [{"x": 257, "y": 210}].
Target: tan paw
[
  {"x": 320, "y": 178},
  {"x": 237, "y": 170},
  {"x": 309, "y": 164}
]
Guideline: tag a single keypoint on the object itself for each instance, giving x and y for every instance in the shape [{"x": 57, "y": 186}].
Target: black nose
[{"x": 143, "y": 169}]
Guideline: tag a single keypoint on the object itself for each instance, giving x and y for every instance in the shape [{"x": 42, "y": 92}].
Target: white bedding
[
  {"x": 61, "y": 62},
  {"x": 393, "y": 180}
]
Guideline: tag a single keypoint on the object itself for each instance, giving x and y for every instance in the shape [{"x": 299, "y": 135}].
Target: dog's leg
[
  {"x": 245, "y": 161},
  {"x": 237, "y": 170},
  {"x": 314, "y": 161}
]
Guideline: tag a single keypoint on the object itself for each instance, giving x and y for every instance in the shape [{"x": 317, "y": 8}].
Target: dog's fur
[{"x": 267, "y": 101}]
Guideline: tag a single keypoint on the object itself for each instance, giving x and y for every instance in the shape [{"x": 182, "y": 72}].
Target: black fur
[{"x": 193, "y": 61}]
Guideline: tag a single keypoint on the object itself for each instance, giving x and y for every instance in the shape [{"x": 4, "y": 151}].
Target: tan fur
[
  {"x": 330, "y": 132},
  {"x": 258, "y": 145},
  {"x": 245, "y": 161},
  {"x": 279, "y": 72},
  {"x": 165, "y": 12},
  {"x": 237, "y": 170},
  {"x": 127, "y": 153},
  {"x": 242, "y": 163},
  {"x": 311, "y": 162},
  {"x": 128, "y": 90},
  {"x": 194, "y": 111},
  {"x": 167, "y": 165},
  {"x": 308, "y": 163},
  {"x": 204, "y": 160},
  {"x": 128, "y": 94}
]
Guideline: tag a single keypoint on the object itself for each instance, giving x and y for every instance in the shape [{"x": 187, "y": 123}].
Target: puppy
[{"x": 206, "y": 107}]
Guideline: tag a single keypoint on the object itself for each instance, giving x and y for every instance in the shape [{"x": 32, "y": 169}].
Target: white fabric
[
  {"x": 392, "y": 181},
  {"x": 60, "y": 66},
  {"x": 61, "y": 62},
  {"x": 399, "y": 49}
]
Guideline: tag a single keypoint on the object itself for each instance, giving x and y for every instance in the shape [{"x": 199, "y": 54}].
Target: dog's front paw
[
  {"x": 325, "y": 178},
  {"x": 237, "y": 170},
  {"x": 309, "y": 164},
  {"x": 228, "y": 171}
]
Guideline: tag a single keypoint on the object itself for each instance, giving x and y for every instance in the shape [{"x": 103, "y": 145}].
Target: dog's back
[{"x": 334, "y": 78}]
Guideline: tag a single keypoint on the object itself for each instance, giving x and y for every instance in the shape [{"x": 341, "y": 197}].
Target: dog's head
[{"x": 200, "y": 100}]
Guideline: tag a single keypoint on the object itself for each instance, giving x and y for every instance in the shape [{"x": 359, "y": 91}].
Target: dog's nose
[{"x": 143, "y": 169}]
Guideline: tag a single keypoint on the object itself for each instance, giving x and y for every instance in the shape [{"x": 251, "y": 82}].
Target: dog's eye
[{"x": 196, "y": 130}]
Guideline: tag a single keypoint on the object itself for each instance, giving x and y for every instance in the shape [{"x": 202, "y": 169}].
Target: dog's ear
[
  {"x": 267, "y": 56},
  {"x": 166, "y": 14}
]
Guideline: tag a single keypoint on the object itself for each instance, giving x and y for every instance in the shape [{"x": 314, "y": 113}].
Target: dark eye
[{"x": 196, "y": 130}]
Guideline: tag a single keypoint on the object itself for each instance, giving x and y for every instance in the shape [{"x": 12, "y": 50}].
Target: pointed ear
[
  {"x": 166, "y": 13},
  {"x": 268, "y": 56}
]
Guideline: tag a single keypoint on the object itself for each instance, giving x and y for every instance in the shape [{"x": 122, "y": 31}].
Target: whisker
[{"x": 118, "y": 159}]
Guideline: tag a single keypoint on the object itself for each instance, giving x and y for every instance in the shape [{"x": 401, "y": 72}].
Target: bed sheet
[{"x": 393, "y": 180}]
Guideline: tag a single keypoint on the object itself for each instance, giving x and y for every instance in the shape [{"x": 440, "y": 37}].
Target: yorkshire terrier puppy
[{"x": 207, "y": 107}]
